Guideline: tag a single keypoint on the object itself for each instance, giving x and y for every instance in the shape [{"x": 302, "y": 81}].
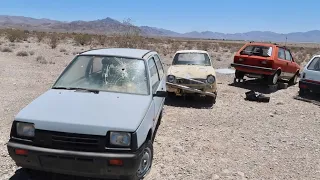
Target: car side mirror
[{"x": 160, "y": 94}]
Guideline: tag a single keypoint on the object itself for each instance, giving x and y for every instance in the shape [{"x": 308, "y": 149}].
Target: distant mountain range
[{"x": 109, "y": 25}]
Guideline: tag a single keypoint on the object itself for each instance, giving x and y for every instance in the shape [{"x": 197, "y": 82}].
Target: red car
[{"x": 265, "y": 60}]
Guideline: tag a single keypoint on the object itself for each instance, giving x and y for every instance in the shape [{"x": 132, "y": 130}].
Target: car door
[
  {"x": 283, "y": 63},
  {"x": 155, "y": 85},
  {"x": 292, "y": 69}
]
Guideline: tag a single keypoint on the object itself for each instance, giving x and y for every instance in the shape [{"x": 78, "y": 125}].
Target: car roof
[
  {"x": 261, "y": 44},
  {"x": 126, "y": 52},
  {"x": 191, "y": 51}
]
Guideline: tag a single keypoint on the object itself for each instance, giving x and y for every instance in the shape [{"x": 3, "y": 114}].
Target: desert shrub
[
  {"x": 22, "y": 53},
  {"x": 102, "y": 39},
  {"x": 6, "y": 49},
  {"x": 41, "y": 60},
  {"x": 53, "y": 41},
  {"x": 16, "y": 35},
  {"x": 40, "y": 36},
  {"x": 83, "y": 39},
  {"x": 31, "y": 53},
  {"x": 63, "y": 50}
]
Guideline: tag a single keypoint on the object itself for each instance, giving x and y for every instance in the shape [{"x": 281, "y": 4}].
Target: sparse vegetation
[
  {"x": 83, "y": 39},
  {"x": 6, "y": 49},
  {"x": 40, "y": 36},
  {"x": 14, "y": 35},
  {"x": 31, "y": 53},
  {"x": 53, "y": 41},
  {"x": 41, "y": 60},
  {"x": 22, "y": 53},
  {"x": 63, "y": 50}
]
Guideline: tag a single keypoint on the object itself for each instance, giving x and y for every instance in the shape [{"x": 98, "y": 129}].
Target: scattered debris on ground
[{"x": 254, "y": 96}]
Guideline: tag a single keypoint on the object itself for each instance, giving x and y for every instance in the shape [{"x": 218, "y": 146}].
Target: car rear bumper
[
  {"x": 313, "y": 86},
  {"x": 88, "y": 164},
  {"x": 253, "y": 69}
]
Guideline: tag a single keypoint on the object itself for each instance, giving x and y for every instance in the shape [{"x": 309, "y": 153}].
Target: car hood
[
  {"x": 85, "y": 113},
  {"x": 191, "y": 71}
]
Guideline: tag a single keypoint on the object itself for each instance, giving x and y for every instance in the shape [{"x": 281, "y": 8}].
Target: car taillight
[{"x": 267, "y": 63}]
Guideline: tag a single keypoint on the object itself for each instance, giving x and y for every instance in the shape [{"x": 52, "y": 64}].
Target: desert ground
[{"x": 235, "y": 139}]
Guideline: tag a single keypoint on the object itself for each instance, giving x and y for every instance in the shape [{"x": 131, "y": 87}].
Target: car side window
[
  {"x": 288, "y": 55},
  {"x": 154, "y": 74},
  {"x": 159, "y": 65},
  {"x": 314, "y": 65},
  {"x": 281, "y": 54}
]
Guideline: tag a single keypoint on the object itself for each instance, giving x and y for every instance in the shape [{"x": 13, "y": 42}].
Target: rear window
[
  {"x": 315, "y": 64},
  {"x": 191, "y": 59},
  {"x": 255, "y": 50}
]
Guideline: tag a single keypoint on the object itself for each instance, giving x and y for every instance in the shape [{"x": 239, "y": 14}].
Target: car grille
[
  {"x": 186, "y": 81},
  {"x": 70, "y": 141}
]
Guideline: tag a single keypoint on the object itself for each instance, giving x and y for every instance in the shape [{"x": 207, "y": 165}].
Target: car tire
[
  {"x": 273, "y": 79},
  {"x": 148, "y": 156},
  {"x": 293, "y": 80},
  {"x": 171, "y": 95},
  {"x": 211, "y": 99},
  {"x": 239, "y": 74}
]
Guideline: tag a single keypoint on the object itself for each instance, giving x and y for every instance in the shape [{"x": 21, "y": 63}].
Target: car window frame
[
  {"x": 161, "y": 65},
  {"x": 313, "y": 59},
  {"x": 286, "y": 50},
  {"x": 155, "y": 86}
]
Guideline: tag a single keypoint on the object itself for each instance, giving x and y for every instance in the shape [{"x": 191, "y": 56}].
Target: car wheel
[
  {"x": 293, "y": 80},
  {"x": 211, "y": 99},
  {"x": 273, "y": 79},
  {"x": 239, "y": 74},
  {"x": 145, "y": 162}
]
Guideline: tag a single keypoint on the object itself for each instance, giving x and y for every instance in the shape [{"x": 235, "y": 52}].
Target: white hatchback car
[
  {"x": 310, "y": 77},
  {"x": 99, "y": 118}
]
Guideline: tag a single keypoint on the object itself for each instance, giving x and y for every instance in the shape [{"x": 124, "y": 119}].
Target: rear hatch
[
  {"x": 312, "y": 71},
  {"x": 255, "y": 55}
]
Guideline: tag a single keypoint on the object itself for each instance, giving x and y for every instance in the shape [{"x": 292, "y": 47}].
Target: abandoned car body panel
[
  {"x": 310, "y": 77},
  {"x": 101, "y": 116},
  {"x": 192, "y": 69},
  {"x": 264, "y": 60}
]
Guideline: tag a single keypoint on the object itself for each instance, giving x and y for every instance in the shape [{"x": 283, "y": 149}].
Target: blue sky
[{"x": 227, "y": 16}]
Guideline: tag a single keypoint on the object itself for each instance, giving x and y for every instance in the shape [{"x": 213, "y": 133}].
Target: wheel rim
[
  {"x": 144, "y": 163},
  {"x": 275, "y": 79},
  {"x": 295, "y": 79}
]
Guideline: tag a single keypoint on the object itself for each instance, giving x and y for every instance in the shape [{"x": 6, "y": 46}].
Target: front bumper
[
  {"x": 88, "y": 164},
  {"x": 313, "y": 86},
  {"x": 253, "y": 69},
  {"x": 180, "y": 89}
]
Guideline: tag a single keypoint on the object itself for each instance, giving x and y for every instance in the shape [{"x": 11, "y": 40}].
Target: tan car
[{"x": 192, "y": 73}]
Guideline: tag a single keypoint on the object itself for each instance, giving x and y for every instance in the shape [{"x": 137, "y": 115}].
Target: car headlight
[
  {"x": 120, "y": 139},
  {"x": 211, "y": 79},
  {"x": 25, "y": 129},
  {"x": 171, "y": 78}
]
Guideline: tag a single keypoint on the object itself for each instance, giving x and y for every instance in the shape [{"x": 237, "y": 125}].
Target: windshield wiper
[{"x": 81, "y": 89}]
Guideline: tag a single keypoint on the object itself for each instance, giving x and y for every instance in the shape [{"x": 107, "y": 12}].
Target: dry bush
[
  {"x": 102, "y": 39},
  {"x": 12, "y": 44},
  {"x": 22, "y": 53},
  {"x": 31, "y": 53},
  {"x": 83, "y": 39},
  {"x": 53, "y": 40},
  {"x": 63, "y": 50},
  {"x": 6, "y": 49},
  {"x": 16, "y": 35},
  {"x": 41, "y": 60},
  {"x": 40, "y": 36}
]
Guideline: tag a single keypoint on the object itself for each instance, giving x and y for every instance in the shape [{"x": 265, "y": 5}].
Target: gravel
[{"x": 236, "y": 139}]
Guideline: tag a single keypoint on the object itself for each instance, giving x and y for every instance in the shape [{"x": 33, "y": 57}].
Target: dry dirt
[{"x": 236, "y": 139}]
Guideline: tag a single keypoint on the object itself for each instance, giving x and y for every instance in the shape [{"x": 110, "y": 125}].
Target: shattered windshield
[
  {"x": 255, "y": 50},
  {"x": 105, "y": 73},
  {"x": 191, "y": 59}
]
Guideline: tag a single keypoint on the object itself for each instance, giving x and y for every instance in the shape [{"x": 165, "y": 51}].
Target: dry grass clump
[
  {"x": 15, "y": 35},
  {"x": 63, "y": 50},
  {"x": 53, "y": 40},
  {"x": 41, "y": 60},
  {"x": 22, "y": 53},
  {"x": 6, "y": 49}
]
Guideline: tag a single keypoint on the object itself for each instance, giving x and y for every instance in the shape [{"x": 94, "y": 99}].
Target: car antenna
[{"x": 285, "y": 44}]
